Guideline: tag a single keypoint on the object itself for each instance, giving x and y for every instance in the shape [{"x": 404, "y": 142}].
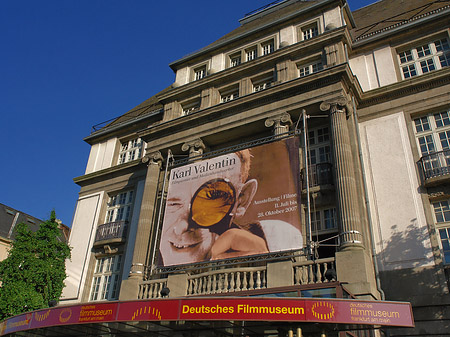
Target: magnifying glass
[{"x": 212, "y": 204}]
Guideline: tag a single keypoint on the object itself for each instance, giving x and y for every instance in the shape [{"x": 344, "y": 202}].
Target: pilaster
[
  {"x": 345, "y": 181},
  {"x": 145, "y": 223}
]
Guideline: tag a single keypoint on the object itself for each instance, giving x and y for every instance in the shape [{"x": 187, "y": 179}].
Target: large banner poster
[{"x": 237, "y": 204}]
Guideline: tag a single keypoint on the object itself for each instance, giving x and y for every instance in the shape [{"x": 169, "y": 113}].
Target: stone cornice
[
  {"x": 338, "y": 74},
  {"x": 113, "y": 170},
  {"x": 405, "y": 88},
  {"x": 253, "y": 67}
]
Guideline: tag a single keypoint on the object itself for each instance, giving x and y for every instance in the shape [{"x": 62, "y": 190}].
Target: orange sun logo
[
  {"x": 148, "y": 312},
  {"x": 65, "y": 315},
  {"x": 323, "y": 310}
]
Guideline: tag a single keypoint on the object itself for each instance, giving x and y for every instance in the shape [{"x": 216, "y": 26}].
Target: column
[
  {"x": 347, "y": 202},
  {"x": 280, "y": 123},
  {"x": 195, "y": 147},
  {"x": 129, "y": 287}
]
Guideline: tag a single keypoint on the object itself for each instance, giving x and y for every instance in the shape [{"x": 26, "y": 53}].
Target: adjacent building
[{"x": 346, "y": 115}]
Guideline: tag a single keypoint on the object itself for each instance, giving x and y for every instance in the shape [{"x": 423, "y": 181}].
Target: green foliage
[{"x": 33, "y": 273}]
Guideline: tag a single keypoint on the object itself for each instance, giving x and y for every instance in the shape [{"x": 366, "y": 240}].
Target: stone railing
[
  {"x": 313, "y": 272},
  {"x": 243, "y": 279},
  {"x": 227, "y": 281},
  {"x": 151, "y": 289}
]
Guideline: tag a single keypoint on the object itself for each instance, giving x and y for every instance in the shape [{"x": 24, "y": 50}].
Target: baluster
[
  {"x": 232, "y": 283},
  {"x": 201, "y": 285},
  {"x": 195, "y": 288},
  {"x": 225, "y": 288},
  {"x": 262, "y": 279},
  {"x": 310, "y": 274},
  {"x": 220, "y": 284},
  {"x": 208, "y": 284},
  {"x": 153, "y": 290},
  {"x": 244, "y": 281},
  {"x": 319, "y": 273},
  {"x": 158, "y": 290},
  {"x": 238, "y": 281},
  {"x": 141, "y": 287},
  {"x": 304, "y": 274},
  {"x": 252, "y": 281},
  {"x": 258, "y": 279},
  {"x": 145, "y": 294},
  {"x": 325, "y": 268}
]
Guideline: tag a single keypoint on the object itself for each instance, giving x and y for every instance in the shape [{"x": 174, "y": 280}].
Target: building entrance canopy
[{"x": 209, "y": 316}]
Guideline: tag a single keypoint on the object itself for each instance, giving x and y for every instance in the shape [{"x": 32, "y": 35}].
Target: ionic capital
[
  {"x": 195, "y": 147},
  {"x": 153, "y": 158},
  {"x": 280, "y": 123},
  {"x": 332, "y": 105}
]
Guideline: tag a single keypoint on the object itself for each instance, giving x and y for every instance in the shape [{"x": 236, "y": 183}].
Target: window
[
  {"x": 106, "y": 280},
  {"x": 433, "y": 140},
  {"x": 199, "y": 73},
  {"x": 309, "y": 31},
  {"x": 119, "y": 207},
  {"x": 425, "y": 58},
  {"x": 235, "y": 60},
  {"x": 262, "y": 84},
  {"x": 323, "y": 220},
  {"x": 130, "y": 150},
  {"x": 229, "y": 95},
  {"x": 189, "y": 108},
  {"x": 319, "y": 157},
  {"x": 250, "y": 54},
  {"x": 310, "y": 68},
  {"x": 267, "y": 47},
  {"x": 442, "y": 216},
  {"x": 319, "y": 150}
]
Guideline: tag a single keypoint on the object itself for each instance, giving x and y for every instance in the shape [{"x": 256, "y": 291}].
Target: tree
[{"x": 32, "y": 276}]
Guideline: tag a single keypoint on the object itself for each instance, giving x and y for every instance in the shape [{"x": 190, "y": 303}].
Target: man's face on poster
[{"x": 183, "y": 240}]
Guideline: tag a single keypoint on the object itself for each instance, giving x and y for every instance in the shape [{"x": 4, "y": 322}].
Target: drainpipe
[
  {"x": 16, "y": 217},
  {"x": 366, "y": 198}
]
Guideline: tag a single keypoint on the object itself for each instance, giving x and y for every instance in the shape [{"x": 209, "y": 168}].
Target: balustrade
[{"x": 243, "y": 279}]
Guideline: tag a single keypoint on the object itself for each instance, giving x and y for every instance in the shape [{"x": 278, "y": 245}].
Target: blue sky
[{"x": 66, "y": 65}]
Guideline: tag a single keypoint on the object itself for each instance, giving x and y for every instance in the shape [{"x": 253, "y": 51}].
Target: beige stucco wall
[
  {"x": 375, "y": 68},
  {"x": 81, "y": 240},
  {"x": 4, "y": 246},
  {"x": 101, "y": 155},
  {"x": 398, "y": 218}
]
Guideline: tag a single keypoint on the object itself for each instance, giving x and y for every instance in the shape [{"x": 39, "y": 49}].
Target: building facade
[{"x": 365, "y": 94}]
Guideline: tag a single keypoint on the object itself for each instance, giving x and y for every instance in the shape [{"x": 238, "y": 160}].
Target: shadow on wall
[
  {"x": 408, "y": 260},
  {"x": 410, "y": 274}
]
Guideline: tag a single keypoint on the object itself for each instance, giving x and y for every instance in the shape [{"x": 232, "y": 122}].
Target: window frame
[
  {"x": 443, "y": 225},
  {"x": 190, "y": 107},
  {"x": 307, "y": 26},
  {"x": 229, "y": 94},
  {"x": 423, "y": 57},
  {"x": 323, "y": 220},
  {"x": 130, "y": 150},
  {"x": 120, "y": 206},
  {"x": 308, "y": 68},
  {"x": 252, "y": 51},
  {"x": 106, "y": 278},
  {"x": 203, "y": 68}
]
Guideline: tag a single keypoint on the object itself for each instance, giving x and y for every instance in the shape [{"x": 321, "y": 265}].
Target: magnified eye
[
  {"x": 217, "y": 194},
  {"x": 212, "y": 202}
]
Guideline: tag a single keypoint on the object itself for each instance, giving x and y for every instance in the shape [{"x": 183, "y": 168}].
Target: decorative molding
[
  {"x": 280, "y": 123},
  {"x": 153, "y": 158},
  {"x": 195, "y": 147},
  {"x": 332, "y": 105}
]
